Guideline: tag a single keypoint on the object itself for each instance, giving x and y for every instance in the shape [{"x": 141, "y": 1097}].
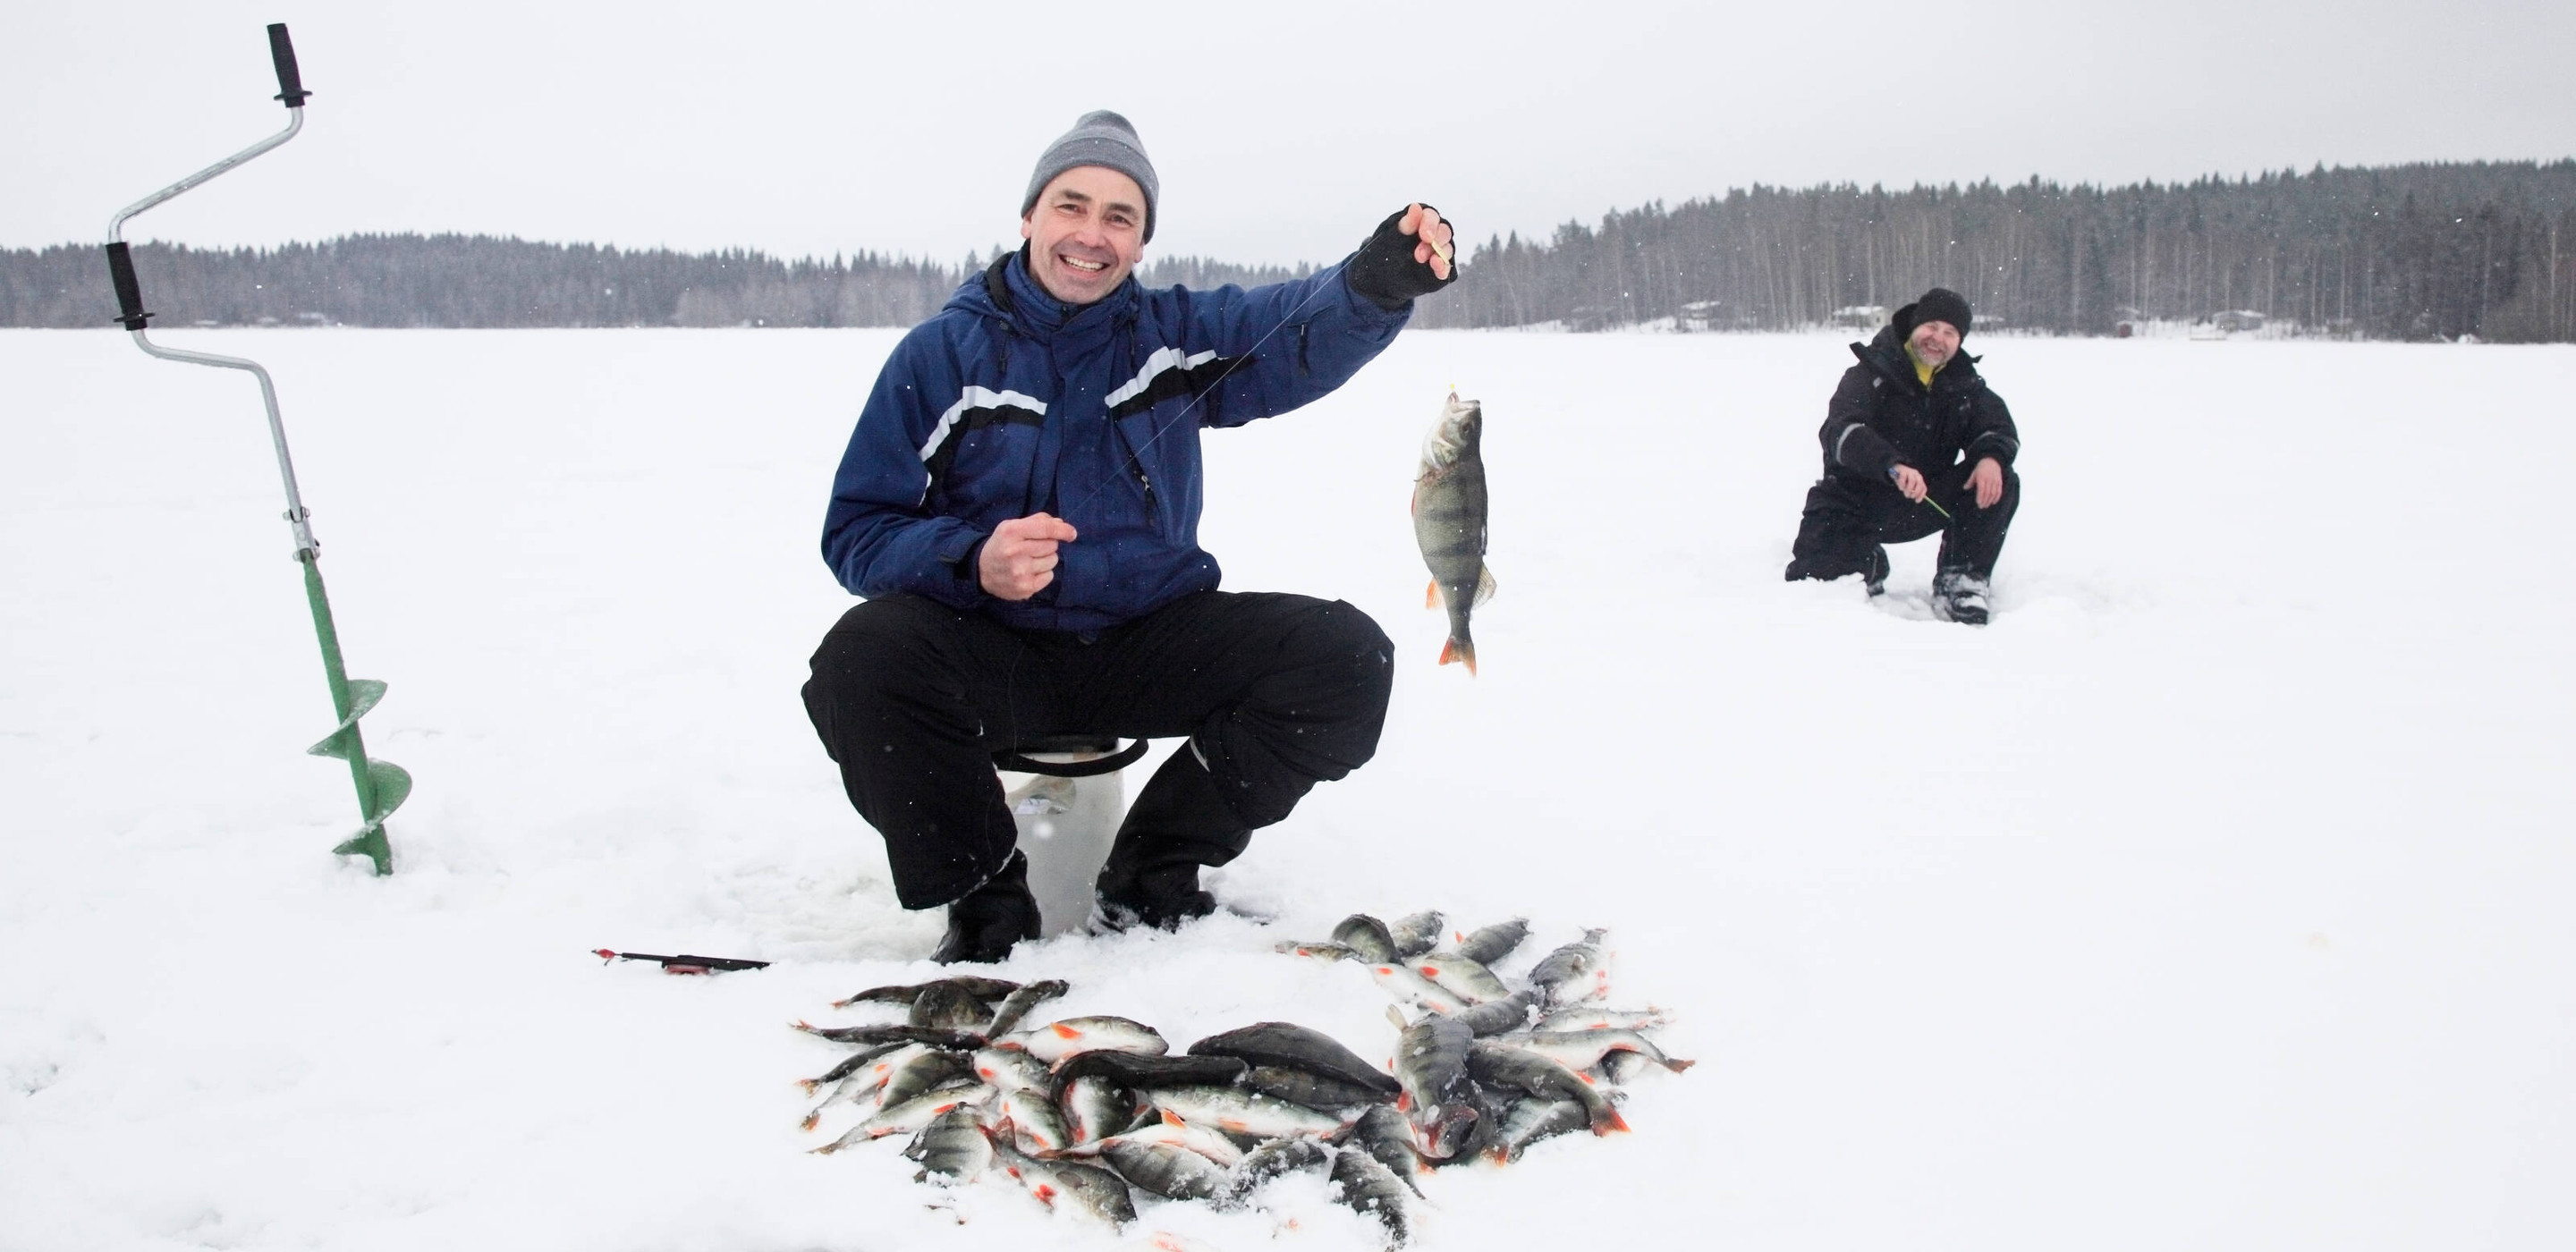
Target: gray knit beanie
[{"x": 1101, "y": 138}]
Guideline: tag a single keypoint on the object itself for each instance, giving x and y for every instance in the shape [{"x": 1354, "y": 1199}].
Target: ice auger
[{"x": 382, "y": 785}]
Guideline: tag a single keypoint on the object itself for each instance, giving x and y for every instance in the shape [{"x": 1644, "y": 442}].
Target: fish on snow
[{"x": 1055, "y": 1041}]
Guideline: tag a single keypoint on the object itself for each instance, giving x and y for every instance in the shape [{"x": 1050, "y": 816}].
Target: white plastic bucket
[{"x": 1066, "y": 825}]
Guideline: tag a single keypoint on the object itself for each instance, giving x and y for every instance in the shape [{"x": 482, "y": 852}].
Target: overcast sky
[{"x": 1282, "y": 131}]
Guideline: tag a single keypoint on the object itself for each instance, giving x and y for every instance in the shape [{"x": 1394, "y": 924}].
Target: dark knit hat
[
  {"x": 1937, "y": 305},
  {"x": 1101, "y": 138}
]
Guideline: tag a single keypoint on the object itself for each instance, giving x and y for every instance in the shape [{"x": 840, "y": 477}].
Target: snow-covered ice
[{"x": 2220, "y": 895}]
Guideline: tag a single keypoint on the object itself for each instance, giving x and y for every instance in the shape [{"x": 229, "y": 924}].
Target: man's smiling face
[
  {"x": 1085, "y": 233},
  {"x": 1934, "y": 343}
]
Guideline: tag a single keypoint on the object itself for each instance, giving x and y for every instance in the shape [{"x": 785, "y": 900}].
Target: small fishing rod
[
  {"x": 681, "y": 964},
  {"x": 1927, "y": 494}
]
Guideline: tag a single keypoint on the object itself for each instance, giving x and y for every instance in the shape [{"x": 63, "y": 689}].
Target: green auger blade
[
  {"x": 391, "y": 784},
  {"x": 363, "y": 695},
  {"x": 369, "y": 843},
  {"x": 382, "y": 785}
]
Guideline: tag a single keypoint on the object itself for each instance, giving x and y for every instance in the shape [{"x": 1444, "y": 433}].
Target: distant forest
[
  {"x": 481, "y": 281},
  {"x": 2402, "y": 252}
]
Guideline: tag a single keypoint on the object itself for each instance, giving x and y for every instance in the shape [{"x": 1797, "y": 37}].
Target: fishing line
[
  {"x": 1447, "y": 254},
  {"x": 1138, "y": 453}
]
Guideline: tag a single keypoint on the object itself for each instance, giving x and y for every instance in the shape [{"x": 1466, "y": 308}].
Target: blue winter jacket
[{"x": 1010, "y": 402}]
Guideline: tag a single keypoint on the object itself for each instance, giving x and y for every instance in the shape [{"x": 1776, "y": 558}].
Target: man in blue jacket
[{"x": 1019, "y": 506}]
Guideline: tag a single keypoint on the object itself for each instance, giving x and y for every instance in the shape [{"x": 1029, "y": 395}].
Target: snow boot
[
  {"x": 1179, "y": 822},
  {"x": 1959, "y": 596},
  {"x": 983, "y": 926},
  {"x": 1161, "y": 896},
  {"x": 1873, "y": 578}
]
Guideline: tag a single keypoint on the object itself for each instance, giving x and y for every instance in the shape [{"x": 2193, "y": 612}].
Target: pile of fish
[{"x": 1081, "y": 1111}]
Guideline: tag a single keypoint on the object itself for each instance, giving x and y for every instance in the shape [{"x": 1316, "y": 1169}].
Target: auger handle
[
  {"x": 290, "y": 83},
  {"x": 129, "y": 292}
]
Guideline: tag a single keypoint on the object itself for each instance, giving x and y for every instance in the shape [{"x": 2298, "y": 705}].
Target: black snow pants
[
  {"x": 1275, "y": 692},
  {"x": 1847, "y": 518}
]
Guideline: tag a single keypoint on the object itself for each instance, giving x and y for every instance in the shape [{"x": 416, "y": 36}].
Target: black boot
[
  {"x": 984, "y": 924},
  {"x": 1872, "y": 570},
  {"x": 1960, "y": 596},
  {"x": 1178, "y": 823}
]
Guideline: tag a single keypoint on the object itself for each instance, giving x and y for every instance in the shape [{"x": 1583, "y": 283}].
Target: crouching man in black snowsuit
[{"x": 1914, "y": 426}]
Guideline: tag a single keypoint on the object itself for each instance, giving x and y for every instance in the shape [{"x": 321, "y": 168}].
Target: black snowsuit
[
  {"x": 1275, "y": 693},
  {"x": 1883, "y": 416}
]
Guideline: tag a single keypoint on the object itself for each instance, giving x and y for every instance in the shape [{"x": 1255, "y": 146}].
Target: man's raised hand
[
  {"x": 1407, "y": 256},
  {"x": 1019, "y": 558},
  {"x": 1423, "y": 222}
]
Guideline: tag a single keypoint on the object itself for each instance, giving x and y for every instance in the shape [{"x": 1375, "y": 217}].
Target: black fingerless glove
[{"x": 1384, "y": 269}]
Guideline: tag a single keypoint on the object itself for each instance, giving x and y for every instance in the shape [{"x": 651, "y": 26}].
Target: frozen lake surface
[{"x": 2217, "y": 896}]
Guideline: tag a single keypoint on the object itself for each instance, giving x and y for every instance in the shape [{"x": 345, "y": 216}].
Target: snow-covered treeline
[
  {"x": 480, "y": 281},
  {"x": 2400, "y": 252}
]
